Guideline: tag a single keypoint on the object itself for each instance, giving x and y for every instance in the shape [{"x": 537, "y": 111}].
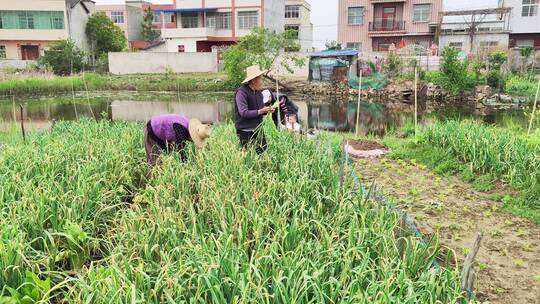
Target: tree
[
  {"x": 262, "y": 47},
  {"x": 332, "y": 45},
  {"x": 64, "y": 57},
  {"x": 148, "y": 33},
  {"x": 104, "y": 35},
  {"x": 453, "y": 74}
]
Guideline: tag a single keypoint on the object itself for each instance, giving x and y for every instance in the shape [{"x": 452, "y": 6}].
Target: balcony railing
[{"x": 387, "y": 26}]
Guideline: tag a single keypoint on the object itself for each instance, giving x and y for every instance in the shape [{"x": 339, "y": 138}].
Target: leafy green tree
[
  {"x": 263, "y": 47},
  {"x": 64, "y": 57},
  {"x": 104, "y": 35},
  {"x": 453, "y": 75},
  {"x": 149, "y": 33}
]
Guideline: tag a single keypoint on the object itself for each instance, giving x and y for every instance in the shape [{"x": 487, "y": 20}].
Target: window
[
  {"x": 456, "y": 45},
  {"x": 170, "y": 17},
  {"x": 2, "y": 52},
  {"x": 356, "y": 15},
  {"x": 181, "y": 48},
  {"x": 294, "y": 28},
  {"x": 354, "y": 45},
  {"x": 248, "y": 20},
  {"x": 488, "y": 44},
  {"x": 421, "y": 12},
  {"x": 57, "y": 23},
  {"x": 292, "y": 11},
  {"x": 190, "y": 20},
  {"x": 26, "y": 20},
  {"x": 117, "y": 17},
  {"x": 43, "y": 20},
  {"x": 157, "y": 17},
  {"x": 524, "y": 43},
  {"x": 530, "y": 8},
  {"x": 219, "y": 20}
]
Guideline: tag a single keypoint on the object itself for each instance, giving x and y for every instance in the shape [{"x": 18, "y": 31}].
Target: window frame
[
  {"x": 187, "y": 20},
  {"x": 3, "y": 52},
  {"x": 116, "y": 16},
  {"x": 354, "y": 45},
  {"x": 292, "y": 11},
  {"x": 248, "y": 19},
  {"x": 361, "y": 15},
  {"x": 293, "y": 27},
  {"x": 423, "y": 13}
]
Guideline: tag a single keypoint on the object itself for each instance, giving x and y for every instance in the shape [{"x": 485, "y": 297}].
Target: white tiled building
[
  {"x": 202, "y": 24},
  {"x": 298, "y": 17}
]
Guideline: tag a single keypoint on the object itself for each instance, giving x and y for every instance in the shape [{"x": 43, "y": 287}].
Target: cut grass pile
[{"x": 225, "y": 227}]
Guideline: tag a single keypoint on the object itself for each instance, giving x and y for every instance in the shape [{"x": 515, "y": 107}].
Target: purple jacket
[{"x": 162, "y": 126}]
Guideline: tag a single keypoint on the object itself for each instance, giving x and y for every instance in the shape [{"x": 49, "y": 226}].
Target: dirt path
[{"x": 509, "y": 258}]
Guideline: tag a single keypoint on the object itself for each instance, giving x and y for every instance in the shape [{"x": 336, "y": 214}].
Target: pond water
[{"x": 214, "y": 108}]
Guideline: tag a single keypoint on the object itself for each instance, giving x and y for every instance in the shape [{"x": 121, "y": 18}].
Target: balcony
[
  {"x": 188, "y": 32},
  {"x": 386, "y": 27}
]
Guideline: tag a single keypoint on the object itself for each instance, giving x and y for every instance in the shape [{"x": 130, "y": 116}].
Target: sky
[{"x": 324, "y": 15}]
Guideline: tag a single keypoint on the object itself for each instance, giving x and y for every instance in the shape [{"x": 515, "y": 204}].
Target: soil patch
[
  {"x": 509, "y": 258},
  {"x": 366, "y": 145}
]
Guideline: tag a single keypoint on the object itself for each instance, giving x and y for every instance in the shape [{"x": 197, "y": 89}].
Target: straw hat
[
  {"x": 253, "y": 72},
  {"x": 199, "y": 132}
]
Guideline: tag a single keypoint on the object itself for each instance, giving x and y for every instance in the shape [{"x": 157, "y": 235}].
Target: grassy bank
[
  {"x": 481, "y": 155},
  {"x": 96, "y": 82},
  {"x": 225, "y": 227}
]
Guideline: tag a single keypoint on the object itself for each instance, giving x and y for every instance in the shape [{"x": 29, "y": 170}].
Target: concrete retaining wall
[{"x": 153, "y": 62}]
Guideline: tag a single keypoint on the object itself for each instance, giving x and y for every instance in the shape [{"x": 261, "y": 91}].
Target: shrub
[{"x": 64, "y": 58}]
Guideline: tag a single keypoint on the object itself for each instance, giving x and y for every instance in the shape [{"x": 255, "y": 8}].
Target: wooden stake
[
  {"x": 415, "y": 101},
  {"x": 22, "y": 122},
  {"x": 358, "y": 105},
  {"x": 467, "y": 276},
  {"x": 534, "y": 108}
]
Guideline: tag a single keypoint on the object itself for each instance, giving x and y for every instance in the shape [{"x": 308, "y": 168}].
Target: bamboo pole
[
  {"x": 415, "y": 101},
  {"x": 358, "y": 105},
  {"x": 22, "y": 122},
  {"x": 277, "y": 97},
  {"x": 534, "y": 108}
]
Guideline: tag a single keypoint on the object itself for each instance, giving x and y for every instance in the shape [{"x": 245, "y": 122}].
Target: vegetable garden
[{"x": 80, "y": 224}]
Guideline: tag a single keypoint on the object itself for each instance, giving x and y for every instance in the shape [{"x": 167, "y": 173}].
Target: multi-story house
[
  {"x": 524, "y": 22},
  {"x": 128, "y": 17},
  {"x": 298, "y": 18},
  {"x": 29, "y": 27},
  {"x": 198, "y": 25},
  {"x": 374, "y": 25},
  {"x": 473, "y": 31}
]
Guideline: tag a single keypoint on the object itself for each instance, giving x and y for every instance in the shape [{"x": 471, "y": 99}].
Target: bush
[
  {"x": 453, "y": 75},
  {"x": 64, "y": 58},
  {"x": 522, "y": 86},
  {"x": 495, "y": 80}
]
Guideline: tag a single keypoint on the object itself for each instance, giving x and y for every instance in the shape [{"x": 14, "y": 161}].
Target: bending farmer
[
  {"x": 170, "y": 132},
  {"x": 250, "y": 110}
]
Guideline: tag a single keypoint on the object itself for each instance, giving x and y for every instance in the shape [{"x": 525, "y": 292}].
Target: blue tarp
[
  {"x": 335, "y": 53},
  {"x": 184, "y": 10}
]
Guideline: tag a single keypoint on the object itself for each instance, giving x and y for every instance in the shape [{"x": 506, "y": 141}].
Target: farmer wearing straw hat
[
  {"x": 250, "y": 109},
  {"x": 171, "y": 132}
]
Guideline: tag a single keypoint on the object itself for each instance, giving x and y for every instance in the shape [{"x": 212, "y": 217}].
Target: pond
[{"x": 214, "y": 108}]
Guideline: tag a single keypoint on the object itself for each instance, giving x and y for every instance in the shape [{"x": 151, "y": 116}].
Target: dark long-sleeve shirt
[{"x": 242, "y": 105}]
